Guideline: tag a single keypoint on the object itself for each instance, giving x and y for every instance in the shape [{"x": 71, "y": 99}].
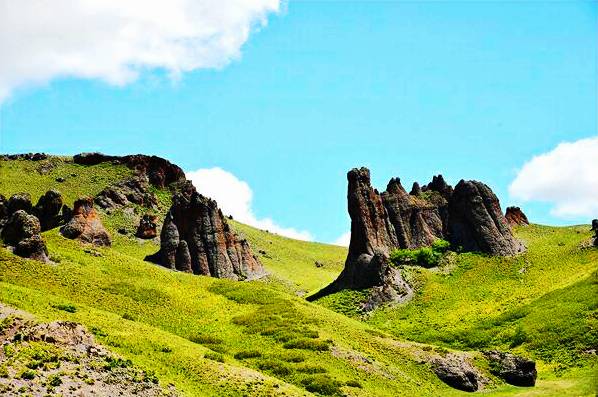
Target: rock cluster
[
  {"x": 22, "y": 231},
  {"x": 130, "y": 191},
  {"x": 196, "y": 238},
  {"x": 458, "y": 373},
  {"x": 25, "y": 156},
  {"x": 85, "y": 224},
  {"x": 595, "y": 230},
  {"x": 160, "y": 172},
  {"x": 515, "y": 370},
  {"x": 48, "y": 210},
  {"x": 516, "y": 217},
  {"x": 468, "y": 216}
]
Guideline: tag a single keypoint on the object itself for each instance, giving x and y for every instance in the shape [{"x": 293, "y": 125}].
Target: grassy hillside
[{"x": 219, "y": 337}]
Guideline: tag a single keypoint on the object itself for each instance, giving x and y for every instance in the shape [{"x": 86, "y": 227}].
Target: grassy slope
[{"x": 164, "y": 311}]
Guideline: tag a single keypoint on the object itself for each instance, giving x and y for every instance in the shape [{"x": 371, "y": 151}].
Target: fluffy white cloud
[
  {"x": 234, "y": 197},
  {"x": 343, "y": 240},
  {"x": 115, "y": 40},
  {"x": 567, "y": 176}
]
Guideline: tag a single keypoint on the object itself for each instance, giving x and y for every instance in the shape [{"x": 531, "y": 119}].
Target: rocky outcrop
[
  {"x": 22, "y": 232},
  {"x": 476, "y": 222},
  {"x": 160, "y": 172},
  {"x": 595, "y": 230},
  {"x": 25, "y": 156},
  {"x": 457, "y": 372},
  {"x": 516, "y": 217},
  {"x": 85, "y": 224},
  {"x": 515, "y": 370},
  {"x": 148, "y": 227},
  {"x": 48, "y": 209},
  {"x": 372, "y": 235},
  {"x": 196, "y": 237},
  {"x": 130, "y": 191},
  {"x": 468, "y": 216}
]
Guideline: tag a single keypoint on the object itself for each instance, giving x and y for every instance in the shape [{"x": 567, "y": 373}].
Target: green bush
[
  {"x": 274, "y": 366},
  {"x": 28, "y": 374},
  {"x": 203, "y": 339},
  {"x": 54, "y": 380},
  {"x": 214, "y": 356},
  {"x": 353, "y": 383},
  {"x": 425, "y": 256},
  {"x": 66, "y": 307},
  {"x": 307, "y": 344},
  {"x": 322, "y": 384},
  {"x": 247, "y": 354},
  {"x": 311, "y": 369}
]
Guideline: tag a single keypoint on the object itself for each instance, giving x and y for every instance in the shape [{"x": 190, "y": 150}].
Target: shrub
[
  {"x": 353, "y": 383},
  {"x": 214, "y": 356},
  {"x": 292, "y": 357},
  {"x": 66, "y": 307},
  {"x": 203, "y": 339},
  {"x": 247, "y": 354},
  {"x": 28, "y": 374},
  {"x": 311, "y": 369},
  {"x": 54, "y": 380},
  {"x": 307, "y": 344},
  {"x": 425, "y": 256},
  {"x": 275, "y": 366},
  {"x": 128, "y": 316},
  {"x": 441, "y": 246},
  {"x": 322, "y": 384}
]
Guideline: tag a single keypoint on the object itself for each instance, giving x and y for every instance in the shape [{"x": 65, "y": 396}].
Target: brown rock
[
  {"x": 19, "y": 201},
  {"x": 516, "y": 217},
  {"x": 130, "y": 191},
  {"x": 22, "y": 231},
  {"x": 476, "y": 222},
  {"x": 147, "y": 228},
  {"x": 595, "y": 230},
  {"x": 85, "y": 224},
  {"x": 196, "y": 236},
  {"x": 48, "y": 208}
]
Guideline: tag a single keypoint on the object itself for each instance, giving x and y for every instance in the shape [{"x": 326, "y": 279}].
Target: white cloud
[
  {"x": 234, "y": 197},
  {"x": 567, "y": 177},
  {"x": 115, "y": 40},
  {"x": 343, "y": 240}
]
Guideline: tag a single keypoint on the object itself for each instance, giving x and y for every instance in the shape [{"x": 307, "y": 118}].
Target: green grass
[{"x": 219, "y": 337}]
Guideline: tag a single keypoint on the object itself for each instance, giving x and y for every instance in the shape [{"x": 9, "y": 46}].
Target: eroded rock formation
[
  {"x": 458, "y": 372},
  {"x": 160, "y": 172},
  {"x": 516, "y": 217},
  {"x": 468, "y": 216},
  {"x": 19, "y": 201},
  {"x": 85, "y": 224},
  {"x": 22, "y": 231},
  {"x": 48, "y": 209},
  {"x": 595, "y": 230},
  {"x": 25, "y": 156},
  {"x": 196, "y": 237}
]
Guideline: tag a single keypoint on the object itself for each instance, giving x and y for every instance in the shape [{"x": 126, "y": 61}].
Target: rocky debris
[
  {"x": 196, "y": 236},
  {"x": 515, "y": 370},
  {"x": 60, "y": 179},
  {"x": 476, "y": 222},
  {"x": 19, "y": 201},
  {"x": 148, "y": 225},
  {"x": 72, "y": 365},
  {"x": 22, "y": 231},
  {"x": 516, "y": 217},
  {"x": 130, "y": 191},
  {"x": 85, "y": 224},
  {"x": 468, "y": 216},
  {"x": 160, "y": 172},
  {"x": 595, "y": 230},
  {"x": 457, "y": 372},
  {"x": 48, "y": 209},
  {"x": 3, "y": 207},
  {"x": 25, "y": 156}
]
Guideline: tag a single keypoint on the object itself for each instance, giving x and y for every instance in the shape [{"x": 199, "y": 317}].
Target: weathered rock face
[
  {"x": 48, "y": 209},
  {"x": 160, "y": 172},
  {"x": 468, "y": 216},
  {"x": 147, "y": 227},
  {"x": 595, "y": 230},
  {"x": 85, "y": 224},
  {"x": 3, "y": 207},
  {"x": 515, "y": 370},
  {"x": 476, "y": 222},
  {"x": 196, "y": 237},
  {"x": 516, "y": 217},
  {"x": 25, "y": 156},
  {"x": 22, "y": 231},
  {"x": 458, "y": 373},
  {"x": 131, "y": 191}
]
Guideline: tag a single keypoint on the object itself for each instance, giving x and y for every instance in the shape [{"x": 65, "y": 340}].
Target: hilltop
[{"x": 210, "y": 336}]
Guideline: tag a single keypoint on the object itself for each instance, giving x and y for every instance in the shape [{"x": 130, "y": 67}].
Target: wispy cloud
[
  {"x": 235, "y": 197},
  {"x": 566, "y": 176},
  {"x": 115, "y": 40},
  {"x": 343, "y": 240}
]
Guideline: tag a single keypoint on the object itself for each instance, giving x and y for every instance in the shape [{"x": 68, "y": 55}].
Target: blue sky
[{"x": 471, "y": 90}]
